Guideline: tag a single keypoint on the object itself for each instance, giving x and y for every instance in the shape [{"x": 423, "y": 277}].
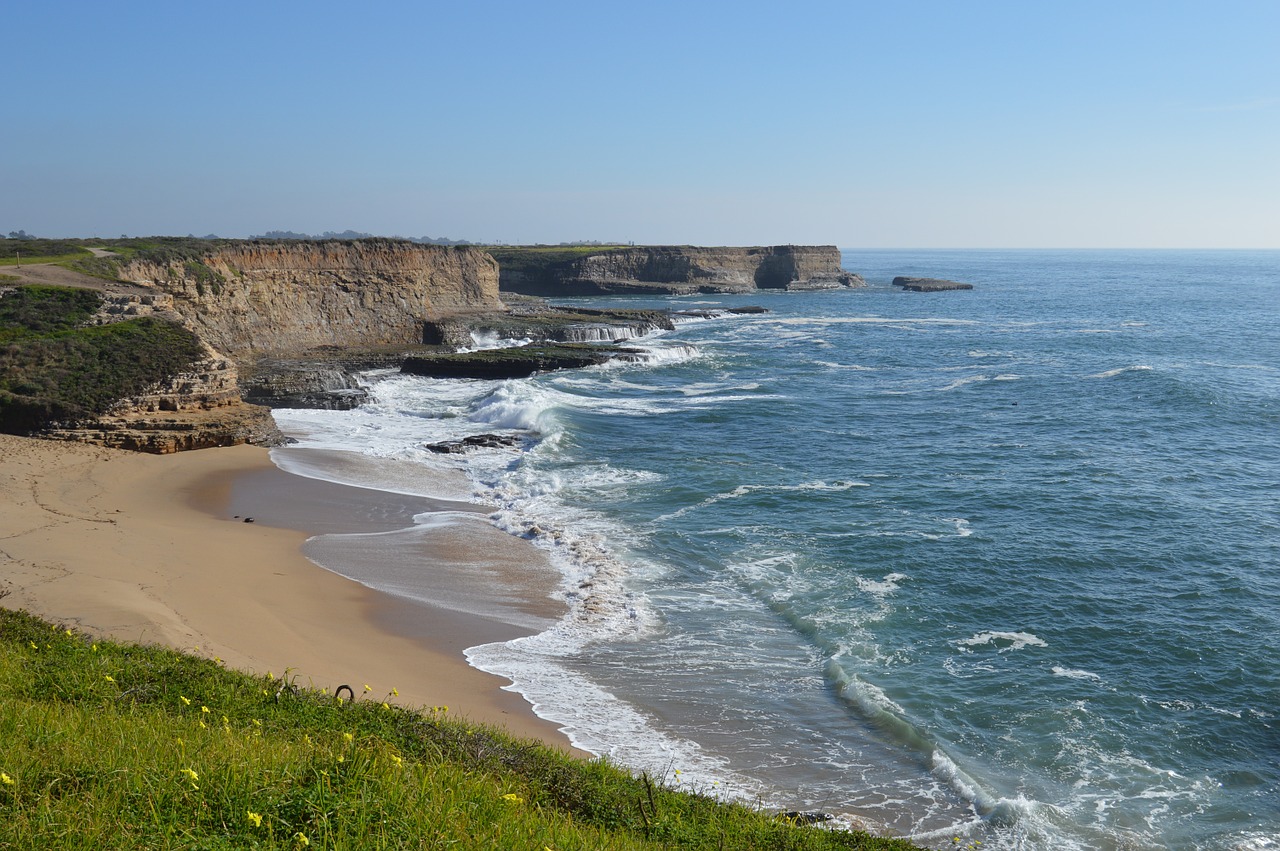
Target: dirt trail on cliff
[{"x": 51, "y": 274}]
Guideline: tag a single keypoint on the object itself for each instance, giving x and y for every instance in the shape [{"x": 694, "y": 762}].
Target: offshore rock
[
  {"x": 929, "y": 285},
  {"x": 512, "y": 362},
  {"x": 542, "y": 323},
  {"x": 671, "y": 270},
  {"x": 475, "y": 441},
  {"x": 324, "y": 379}
]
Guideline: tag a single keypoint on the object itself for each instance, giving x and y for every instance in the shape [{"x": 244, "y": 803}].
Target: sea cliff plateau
[
  {"x": 666, "y": 269},
  {"x": 288, "y": 323}
]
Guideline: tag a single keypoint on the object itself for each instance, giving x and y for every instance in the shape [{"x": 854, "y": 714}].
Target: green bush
[
  {"x": 53, "y": 370},
  {"x": 42, "y": 309}
]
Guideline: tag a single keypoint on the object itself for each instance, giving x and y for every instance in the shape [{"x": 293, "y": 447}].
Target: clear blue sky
[{"x": 864, "y": 124}]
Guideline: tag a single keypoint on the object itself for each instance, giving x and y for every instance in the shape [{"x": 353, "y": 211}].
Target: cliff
[
  {"x": 198, "y": 408},
  {"x": 673, "y": 270},
  {"x": 248, "y": 298}
]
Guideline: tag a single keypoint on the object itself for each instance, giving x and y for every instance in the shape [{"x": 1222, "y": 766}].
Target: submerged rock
[
  {"x": 514, "y": 362},
  {"x": 475, "y": 441}
]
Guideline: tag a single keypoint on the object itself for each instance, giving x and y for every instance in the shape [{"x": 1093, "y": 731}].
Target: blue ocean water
[{"x": 999, "y": 565}]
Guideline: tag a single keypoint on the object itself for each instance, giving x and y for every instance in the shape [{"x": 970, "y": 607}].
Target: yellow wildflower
[
  {"x": 95, "y": 648},
  {"x": 7, "y": 780},
  {"x": 109, "y": 678},
  {"x": 368, "y": 688},
  {"x": 204, "y": 709},
  {"x": 341, "y": 758},
  {"x": 256, "y": 818},
  {"x": 34, "y": 646},
  {"x": 395, "y": 692},
  {"x": 513, "y": 798},
  {"x": 348, "y": 737},
  {"x": 301, "y": 839},
  {"x": 186, "y": 701},
  {"x": 191, "y": 773},
  {"x": 397, "y": 760},
  {"x": 385, "y": 705},
  {"x": 68, "y": 633}
]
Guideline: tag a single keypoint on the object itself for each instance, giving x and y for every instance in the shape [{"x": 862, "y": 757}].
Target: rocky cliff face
[
  {"x": 196, "y": 409},
  {"x": 250, "y": 298},
  {"x": 680, "y": 270}
]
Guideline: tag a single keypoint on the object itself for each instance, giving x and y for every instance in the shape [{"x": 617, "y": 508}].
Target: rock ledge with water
[{"x": 928, "y": 285}]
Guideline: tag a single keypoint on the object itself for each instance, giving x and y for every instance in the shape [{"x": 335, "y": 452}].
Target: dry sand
[{"x": 145, "y": 548}]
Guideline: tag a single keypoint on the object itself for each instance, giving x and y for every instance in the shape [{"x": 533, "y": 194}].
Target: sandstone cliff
[
  {"x": 199, "y": 408},
  {"x": 677, "y": 270},
  {"x": 248, "y": 298}
]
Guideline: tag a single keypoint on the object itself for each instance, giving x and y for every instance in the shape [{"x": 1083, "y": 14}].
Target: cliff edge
[
  {"x": 670, "y": 270},
  {"x": 248, "y": 298}
]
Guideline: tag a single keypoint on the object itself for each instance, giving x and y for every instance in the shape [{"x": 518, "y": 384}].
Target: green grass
[
  {"x": 38, "y": 250},
  {"x": 24, "y": 260},
  {"x": 109, "y": 745}
]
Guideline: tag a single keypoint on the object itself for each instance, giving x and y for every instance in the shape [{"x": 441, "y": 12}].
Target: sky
[{"x": 908, "y": 124}]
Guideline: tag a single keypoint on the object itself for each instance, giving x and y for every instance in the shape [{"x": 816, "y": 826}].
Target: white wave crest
[
  {"x": 746, "y": 490},
  {"x": 1074, "y": 673},
  {"x": 1003, "y": 641},
  {"x": 1112, "y": 373},
  {"x": 482, "y": 340},
  {"x": 961, "y": 382},
  {"x": 519, "y": 405},
  {"x": 666, "y": 355},
  {"x": 881, "y": 587}
]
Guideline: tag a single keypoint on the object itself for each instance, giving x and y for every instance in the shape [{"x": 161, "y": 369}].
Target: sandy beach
[{"x": 156, "y": 549}]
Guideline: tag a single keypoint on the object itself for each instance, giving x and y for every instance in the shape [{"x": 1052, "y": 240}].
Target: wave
[
  {"x": 748, "y": 490},
  {"x": 881, "y": 587},
  {"x": 1112, "y": 373},
  {"x": 483, "y": 340},
  {"x": 1074, "y": 674},
  {"x": 1003, "y": 641}
]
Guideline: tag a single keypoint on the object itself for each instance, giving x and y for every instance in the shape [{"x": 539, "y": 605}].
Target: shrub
[{"x": 54, "y": 370}]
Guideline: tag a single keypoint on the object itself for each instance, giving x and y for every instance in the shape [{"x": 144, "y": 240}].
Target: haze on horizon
[{"x": 921, "y": 124}]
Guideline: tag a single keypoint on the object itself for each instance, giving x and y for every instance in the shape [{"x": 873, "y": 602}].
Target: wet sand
[{"x": 149, "y": 548}]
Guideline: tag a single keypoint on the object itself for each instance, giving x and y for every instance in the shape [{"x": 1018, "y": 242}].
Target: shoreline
[{"x": 147, "y": 548}]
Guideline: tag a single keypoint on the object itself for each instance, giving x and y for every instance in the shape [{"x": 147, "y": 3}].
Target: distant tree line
[{"x": 349, "y": 235}]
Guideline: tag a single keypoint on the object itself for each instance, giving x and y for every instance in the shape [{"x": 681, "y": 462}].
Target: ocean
[{"x": 997, "y": 566}]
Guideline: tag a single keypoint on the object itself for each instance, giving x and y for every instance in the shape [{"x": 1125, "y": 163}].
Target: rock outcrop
[
  {"x": 196, "y": 409},
  {"x": 671, "y": 270},
  {"x": 928, "y": 285},
  {"x": 248, "y": 298}
]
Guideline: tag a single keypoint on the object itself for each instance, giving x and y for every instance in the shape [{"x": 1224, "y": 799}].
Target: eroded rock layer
[
  {"x": 675, "y": 270},
  {"x": 248, "y": 298}
]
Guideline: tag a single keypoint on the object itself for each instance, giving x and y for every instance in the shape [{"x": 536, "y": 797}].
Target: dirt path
[{"x": 55, "y": 275}]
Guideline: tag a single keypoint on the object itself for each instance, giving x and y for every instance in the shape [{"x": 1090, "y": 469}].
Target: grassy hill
[{"x": 109, "y": 745}]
